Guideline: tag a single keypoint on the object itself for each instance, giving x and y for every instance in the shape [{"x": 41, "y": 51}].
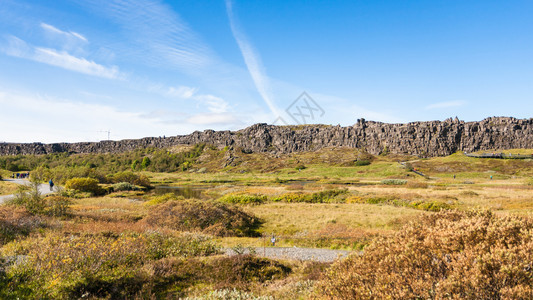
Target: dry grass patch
[
  {"x": 298, "y": 218},
  {"x": 7, "y": 188}
]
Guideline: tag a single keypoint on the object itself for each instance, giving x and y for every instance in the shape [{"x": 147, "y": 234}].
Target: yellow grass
[{"x": 7, "y": 188}]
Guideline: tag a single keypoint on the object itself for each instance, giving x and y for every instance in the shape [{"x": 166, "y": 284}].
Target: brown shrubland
[{"x": 453, "y": 254}]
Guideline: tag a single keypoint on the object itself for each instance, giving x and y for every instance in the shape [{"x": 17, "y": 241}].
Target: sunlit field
[{"x": 116, "y": 231}]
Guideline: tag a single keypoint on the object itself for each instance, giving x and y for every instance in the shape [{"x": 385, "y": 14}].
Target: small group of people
[{"x": 20, "y": 175}]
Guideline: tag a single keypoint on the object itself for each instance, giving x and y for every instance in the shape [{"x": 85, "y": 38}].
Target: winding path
[
  {"x": 296, "y": 253},
  {"x": 43, "y": 188}
]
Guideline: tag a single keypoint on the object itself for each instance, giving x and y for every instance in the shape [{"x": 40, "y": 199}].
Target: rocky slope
[{"x": 425, "y": 139}]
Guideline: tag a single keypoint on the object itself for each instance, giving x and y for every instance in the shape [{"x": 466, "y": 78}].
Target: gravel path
[
  {"x": 295, "y": 253},
  {"x": 43, "y": 188}
]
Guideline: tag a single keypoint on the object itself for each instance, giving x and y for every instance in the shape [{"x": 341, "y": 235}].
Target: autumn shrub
[
  {"x": 17, "y": 221},
  {"x": 89, "y": 185},
  {"x": 239, "y": 273},
  {"x": 326, "y": 196},
  {"x": 469, "y": 193},
  {"x": 360, "y": 163},
  {"x": 243, "y": 199},
  {"x": 94, "y": 266},
  {"x": 130, "y": 177},
  {"x": 427, "y": 205},
  {"x": 416, "y": 185},
  {"x": 57, "y": 206},
  {"x": 458, "y": 255},
  {"x": 209, "y": 217},
  {"x": 30, "y": 197},
  {"x": 239, "y": 270},
  {"x": 394, "y": 181},
  {"x": 123, "y": 186}
]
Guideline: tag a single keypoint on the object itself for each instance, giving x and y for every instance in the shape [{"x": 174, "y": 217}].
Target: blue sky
[{"x": 73, "y": 70}]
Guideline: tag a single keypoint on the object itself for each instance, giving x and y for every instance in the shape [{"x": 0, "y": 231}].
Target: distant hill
[{"x": 424, "y": 139}]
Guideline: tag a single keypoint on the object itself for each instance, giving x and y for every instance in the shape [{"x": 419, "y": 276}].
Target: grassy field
[{"x": 318, "y": 199}]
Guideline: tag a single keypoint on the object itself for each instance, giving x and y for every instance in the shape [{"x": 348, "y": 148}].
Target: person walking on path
[
  {"x": 51, "y": 185},
  {"x": 273, "y": 241}
]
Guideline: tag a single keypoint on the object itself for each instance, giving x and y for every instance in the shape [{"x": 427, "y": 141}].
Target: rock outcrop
[{"x": 424, "y": 139}]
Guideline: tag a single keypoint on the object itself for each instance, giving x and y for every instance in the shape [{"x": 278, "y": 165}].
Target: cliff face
[{"x": 425, "y": 139}]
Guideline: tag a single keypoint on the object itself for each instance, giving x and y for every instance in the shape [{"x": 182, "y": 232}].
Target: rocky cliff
[{"x": 425, "y": 139}]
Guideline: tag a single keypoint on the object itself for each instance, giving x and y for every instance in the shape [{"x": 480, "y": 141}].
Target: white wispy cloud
[
  {"x": 71, "y": 34},
  {"x": 18, "y": 48},
  {"x": 158, "y": 34},
  {"x": 181, "y": 92},
  {"x": 447, "y": 104},
  {"x": 69, "y": 62},
  {"x": 213, "y": 103},
  {"x": 252, "y": 60}
]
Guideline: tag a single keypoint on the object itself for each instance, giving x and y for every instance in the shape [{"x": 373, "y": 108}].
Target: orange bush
[
  {"x": 209, "y": 217},
  {"x": 445, "y": 255}
]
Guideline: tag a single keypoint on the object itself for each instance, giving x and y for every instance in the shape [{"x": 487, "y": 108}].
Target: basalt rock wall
[{"x": 424, "y": 139}]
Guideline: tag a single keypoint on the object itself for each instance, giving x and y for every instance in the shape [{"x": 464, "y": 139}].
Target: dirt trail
[
  {"x": 43, "y": 188},
  {"x": 295, "y": 253}
]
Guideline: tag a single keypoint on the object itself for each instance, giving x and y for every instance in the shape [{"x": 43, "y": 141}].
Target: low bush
[
  {"x": 416, "y": 185},
  {"x": 94, "y": 266},
  {"x": 459, "y": 255},
  {"x": 88, "y": 185},
  {"x": 123, "y": 186},
  {"x": 300, "y": 167},
  {"x": 327, "y": 196},
  {"x": 15, "y": 222},
  {"x": 209, "y": 217},
  {"x": 240, "y": 270},
  {"x": 360, "y": 163},
  {"x": 469, "y": 193},
  {"x": 57, "y": 206},
  {"x": 394, "y": 181},
  {"x": 29, "y": 197},
  {"x": 434, "y": 205},
  {"x": 243, "y": 199},
  {"x": 130, "y": 177}
]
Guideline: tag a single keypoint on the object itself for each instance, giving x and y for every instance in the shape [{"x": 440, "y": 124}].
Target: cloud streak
[
  {"x": 69, "y": 35},
  {"x": 252, "y": 60},
  {"x": 19, "y": 48},
  {"x": 159, "y": 35}
]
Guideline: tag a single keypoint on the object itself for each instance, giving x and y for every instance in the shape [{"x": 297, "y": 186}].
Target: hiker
[
  {"x": 273, "y": 241},
  {"x": 51, "y": 185},
  {"x": 453, "y": 176}
]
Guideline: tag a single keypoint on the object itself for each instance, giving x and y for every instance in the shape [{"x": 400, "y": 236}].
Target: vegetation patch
[
  {"x": 394, "y": 181},
  {"x": 243, "y": 199},
  {"x": 59, "y": 266},
  {"x": 209, "y": 217},
  {"x": 326, "y": 196},
  {"x": 360, "y": 163},
  {"x": 431, "y": 205},
  {"x": 17, "y": 222},
  {"x": 87, "y": 185},
  {"x": 467, "y": 255}
]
